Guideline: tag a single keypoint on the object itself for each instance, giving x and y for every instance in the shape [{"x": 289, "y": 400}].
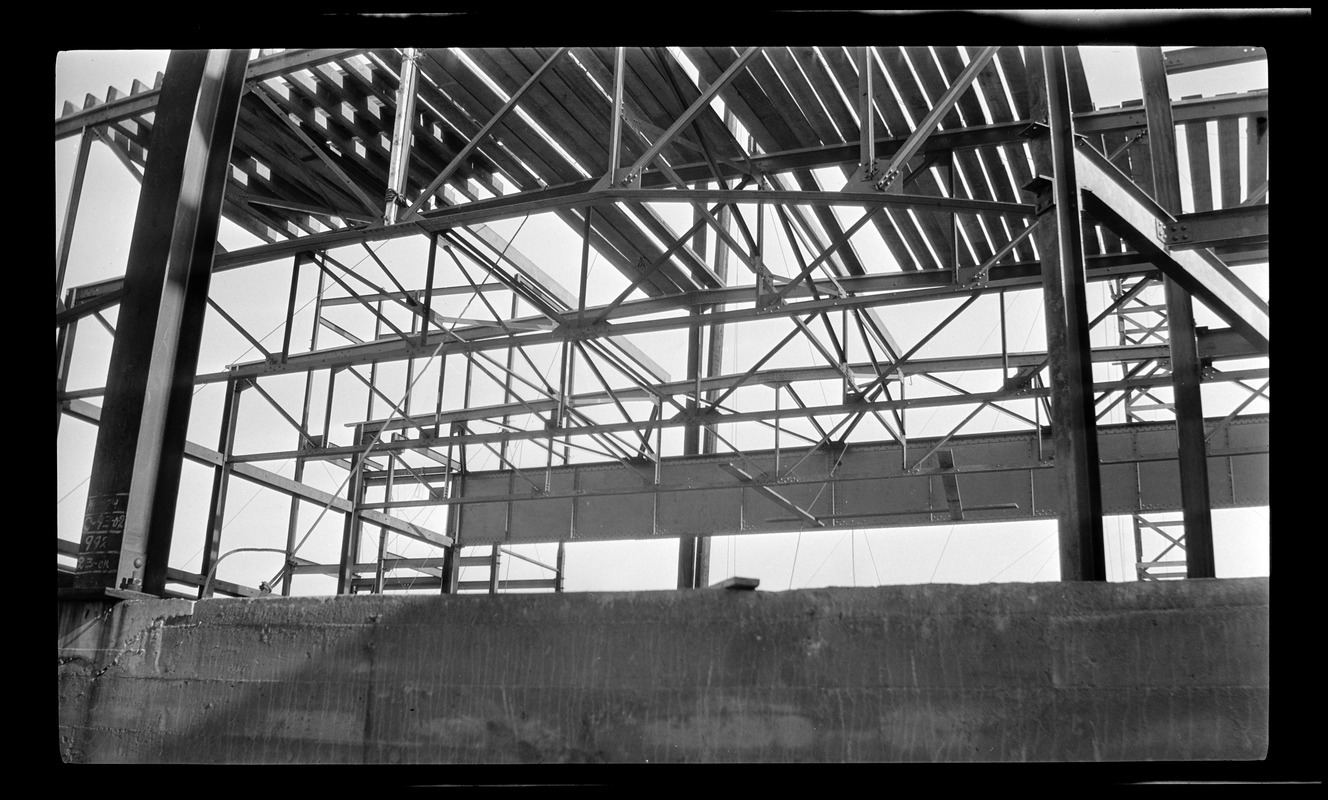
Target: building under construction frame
[{"x": 836, "y": 209}]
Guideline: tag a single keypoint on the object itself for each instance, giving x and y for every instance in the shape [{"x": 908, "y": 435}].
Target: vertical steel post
[
  {"x": 428, "y": 288},
  {"x": 290, "y": 305},
  {"x": 691, "y": 446},
  {"x": 615, "y": 124},
  {"x": 866, "y": 115},
  {"x": 132, "y": 493},
  {"x": 64, "y": 350},
  {"x": 1074, "y": 426},
  {"x": 292, "y": 523},
  {"x": 350, "y": 534},
  {"x": 230, "y": 413},
  {"x": 71, "y": 210},
  {"x": 1185, "y": 367},
  {"x": 402, "y": 130}
]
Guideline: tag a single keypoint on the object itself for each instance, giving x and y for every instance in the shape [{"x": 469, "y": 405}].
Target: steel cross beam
[{"x": 1111, "y": 197}]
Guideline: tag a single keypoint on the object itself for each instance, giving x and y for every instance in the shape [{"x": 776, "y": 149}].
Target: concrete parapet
[{"x": 1010, "y": 672}]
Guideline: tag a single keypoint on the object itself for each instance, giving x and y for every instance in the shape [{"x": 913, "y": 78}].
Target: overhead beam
[{"x": 1137, "y": 218}]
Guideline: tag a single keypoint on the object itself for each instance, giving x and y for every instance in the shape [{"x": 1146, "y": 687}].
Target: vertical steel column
[
  {"x": 1180, "y": 319},
  {"x": 691, "y": 441},
  {"x": 866, "y": 115},
  {"x": 293, "y": 521},
  {"x": 402, "y": 130},
  {"x": 1060, "y": 245},
  {"x": 71, "y": 210},
  {"x": 64, "y": 350},
  {"x": 135, "y": 479},
  {"x": 230, "y": 413},
  {"x": 350, "y": 534},
  {"x": 290, "y": 305},
  {"x": 615, "y": 124}
]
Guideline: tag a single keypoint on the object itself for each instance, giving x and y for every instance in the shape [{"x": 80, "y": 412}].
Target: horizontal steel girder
[
  {"x": 860, "y": 486},
  {"x": 271, "y": 480},
  {"x": 717, "y": 418},
  {"x": 1135, "y": 217},
  {"x": 581, "y": 192},
  {"x": 1214, "y": 345}
]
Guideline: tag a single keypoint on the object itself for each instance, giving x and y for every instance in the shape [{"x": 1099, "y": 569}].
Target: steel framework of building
[{"x": 856, "y": 200}]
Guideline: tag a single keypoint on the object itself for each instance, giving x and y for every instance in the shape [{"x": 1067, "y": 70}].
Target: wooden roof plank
[
  {"x": 935, "y": 85},
  {"x": 1201, "y": 176},
  {"x": 1256, "y": 132},
  {"x": 1228, "y": 161}
]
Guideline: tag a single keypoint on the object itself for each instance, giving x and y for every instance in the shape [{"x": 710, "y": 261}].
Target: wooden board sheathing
[
  {"x": 717, "y": 137},
  {"x": 1016, "y": 77},
  {"x": 365, "y": 174},
  {"x": 809, "y": 106},
  {"x": 369, "y": 81},
  {"x": 753, "y": 109},
  {"x": 295, "y": 172},
  {"x": 822, "y": 84},
  {"x": 1200, "y": 165},
  {"x": 655, "y": 95},
  {"x": 479, "y": 102},
  {"x": 891, "y": 122},
  {"x": 895, "y": 227},
  {"x": 935, "y": 86},
  {"x": 1002, "y": 179},
  {"x": 935, "y": 226},
  {"x": 1256, "y": 132},
  {"x": 1228, "y": 161}
]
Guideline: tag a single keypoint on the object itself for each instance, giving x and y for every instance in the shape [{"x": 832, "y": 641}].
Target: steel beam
[
  {"x": 1112, "y": 198},
  {"x": 1060, "y": 244},
  {"x": 398, "y": 166},
  {"x": 1185, "y": 365},
  {"x": 1003, "y": 477},
  {"x": 137, "y": 461}
]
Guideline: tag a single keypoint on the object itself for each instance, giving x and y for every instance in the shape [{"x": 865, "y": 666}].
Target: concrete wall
[{"x": 1164, "y": 670}]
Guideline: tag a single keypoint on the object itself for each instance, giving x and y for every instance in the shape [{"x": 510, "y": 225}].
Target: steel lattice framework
[{"x": 797, "y": 236}]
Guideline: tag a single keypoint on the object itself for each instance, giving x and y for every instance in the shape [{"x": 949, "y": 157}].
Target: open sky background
[{"x": 964, "y": 553}]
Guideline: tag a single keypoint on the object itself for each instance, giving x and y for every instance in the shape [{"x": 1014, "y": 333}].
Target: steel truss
[{"x": 504, "y": 396}]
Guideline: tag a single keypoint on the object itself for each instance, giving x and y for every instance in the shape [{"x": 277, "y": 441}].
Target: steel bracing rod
[
  {"x": 237, "y": 326},
  {"x": 645, "y": 442},
  {"x": 406, "y": 294},
  {"x": 71, "y": 211},
  {"x": 406, "y": 301},
  {"x": 616, "y": 113},
  {"x": 875, "y": 365},
  {"x": 753, "y": 262},
  {"x": 982, "y": 271},
  {"x": 479, "y": 137},
  {"x": 476, "y": 288},
  {"x": 541, "y": 306},
  {"x": 752, "y": 371},
  {"x": 1235, "y": 411},
  {"x": 657, "y": 263},
  {"x": 996, "y": 406},
  {"x": 369, "y": 382},
  {"x": 359, "y": 194},
  {"x": 1125, "y": 393},
  {"x": 718, "y": 419},
  {"x": 404, "y": 336},
  {"x": 834, "y": 245},
  {"x": 697, "y": 107},
  {"x": 918, "y": 137},
  {"x": 503, "y": 459},
  {"x": 895, "y": 368},
  {"x": 294, "y": 423}
]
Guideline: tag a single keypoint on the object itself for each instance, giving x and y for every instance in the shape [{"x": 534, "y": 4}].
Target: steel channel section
[
  {"x": 869, "y": 488},
  {"x": 139, "y": 452},
  {"x": 1082, "y": 551},
  {"x": 216, "y": 518},
  {"x": 1185, "y": 364}
]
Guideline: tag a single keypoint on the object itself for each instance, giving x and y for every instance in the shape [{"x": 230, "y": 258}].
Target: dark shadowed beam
[
  {"x": 1185, "y": 365},
  {"x": 1082, "y": 554},
  {"x": 139, "y": 452}
]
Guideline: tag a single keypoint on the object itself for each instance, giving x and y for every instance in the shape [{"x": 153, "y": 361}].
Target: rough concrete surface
[{"x": 1011, "y": 672}]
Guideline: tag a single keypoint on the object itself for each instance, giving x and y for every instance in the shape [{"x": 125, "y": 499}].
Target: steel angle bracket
[{"x": 743, "y": 476}]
